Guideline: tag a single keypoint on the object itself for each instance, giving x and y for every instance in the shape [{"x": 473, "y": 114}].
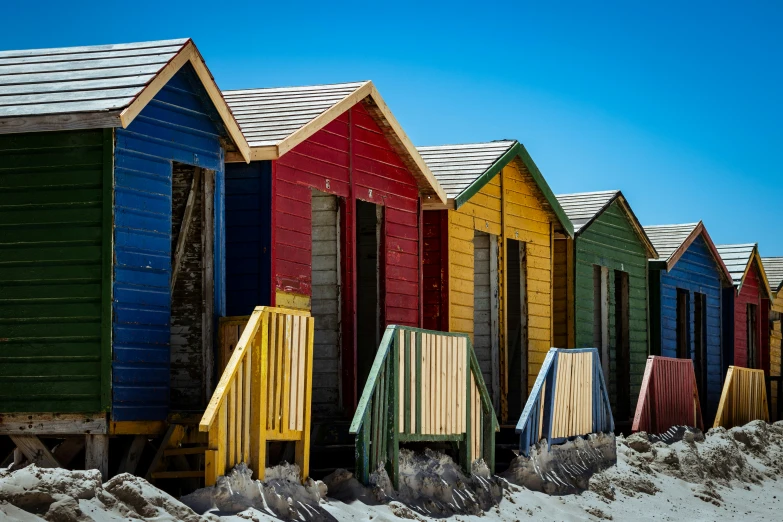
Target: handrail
[
  {"x": 568, "y": 399},
  {"x": 743, "y": 399},
  {"x": 263, "y": 394},
  {"x": 424, "y": 385}
]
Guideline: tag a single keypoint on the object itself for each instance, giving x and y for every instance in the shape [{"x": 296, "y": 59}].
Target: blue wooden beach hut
[
  {"x": 686, "y": 284},
  {"x": 111, "y": 250}
]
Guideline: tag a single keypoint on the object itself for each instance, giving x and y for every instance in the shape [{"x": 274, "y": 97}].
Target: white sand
[{"x": 726, "y": 475}]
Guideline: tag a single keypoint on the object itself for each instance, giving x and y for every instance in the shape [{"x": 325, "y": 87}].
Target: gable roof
[
  {"x": 738, "y": 259},
  {"x": 773, "y": 267},
  {"x": 463, "y": 170},
  {"x": 96, "y": 86},
  {"x": 585, "y": 207},
  {"x": 275, "y": 120},
  {"x": 672, "y": 241}
]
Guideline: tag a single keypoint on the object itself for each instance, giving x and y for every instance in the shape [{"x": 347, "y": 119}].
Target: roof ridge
[
  {"x": 455, "y": 145},
  {"x": 673, "y": 225},
  {"x": 94, "y": 47},
  {"x": 292, "y": 87},
  {"x": 596, "y": 192}
]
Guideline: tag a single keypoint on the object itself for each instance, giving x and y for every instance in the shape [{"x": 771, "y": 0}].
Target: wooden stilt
[
  {"x": 35, "y": 451},
  {"x": 96, "y": 454}
]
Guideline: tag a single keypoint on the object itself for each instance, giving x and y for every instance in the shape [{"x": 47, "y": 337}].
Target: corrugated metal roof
[
  {"x": 456, "y": 167},
  {"x": 581, "y": 208},
  {"x": 773, "y": 266},
  {"x": 72, "y": 80},
  {"x": 668, "y": 238},
  {"x": 736, "y": 259},
  {"x": 268, "y": 116}
]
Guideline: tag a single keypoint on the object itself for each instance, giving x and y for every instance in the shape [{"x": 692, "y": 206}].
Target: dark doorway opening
[
  {"x": 700, "y": 344},
  {"x": 683, "y": 324},
  {"x": 192, "y": 286},
  {"x": 516, "y": 327},
  {"x": 622, "y": 345},
  {"x": 369, "y": 219},
  {"x": 752, "y": 334}
]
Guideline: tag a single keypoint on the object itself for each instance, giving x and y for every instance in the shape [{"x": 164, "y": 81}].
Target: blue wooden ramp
[{"x": 569, "y": 398}]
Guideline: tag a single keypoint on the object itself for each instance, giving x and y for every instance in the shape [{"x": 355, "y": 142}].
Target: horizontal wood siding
[
  {"x": 248, "y": 236},
  {"x": 695, "y": 271},
  {"x": 750, "y": 293},
  {"x": 180, "y": 125},
  {"x": 54, "y": 292},
  {"x": 611, "y": 241},
  {"x": 560, "y": 311},
  {"x": 435, "y": 258},
  {"x": 528, "y": 220}
]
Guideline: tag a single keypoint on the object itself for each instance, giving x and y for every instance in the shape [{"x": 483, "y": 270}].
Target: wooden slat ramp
[
  {"x": 669, "y": 396},
  {"x": 423, "y": 386},
  {"x": 744, "y": 398},
  {"x": 569, "y": 399},
  {"x": 264, "y": 393}
]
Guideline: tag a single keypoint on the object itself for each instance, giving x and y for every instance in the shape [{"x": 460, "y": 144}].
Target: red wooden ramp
[{"x": 669, "y": 396}]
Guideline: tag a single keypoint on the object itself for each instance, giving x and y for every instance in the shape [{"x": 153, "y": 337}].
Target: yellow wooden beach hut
[{"x": 488, "y": 261}]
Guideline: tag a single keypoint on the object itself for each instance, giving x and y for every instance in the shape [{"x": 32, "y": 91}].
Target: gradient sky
[{"x": 678, "y": 104}]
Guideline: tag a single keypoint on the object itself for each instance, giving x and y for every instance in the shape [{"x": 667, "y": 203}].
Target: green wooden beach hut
[{"x": 600, "y": 291}]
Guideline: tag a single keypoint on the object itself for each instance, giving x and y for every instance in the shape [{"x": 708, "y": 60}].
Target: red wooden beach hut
[
  {"x": 745, "y": 309},
  {"x": 326, "y": 217}
]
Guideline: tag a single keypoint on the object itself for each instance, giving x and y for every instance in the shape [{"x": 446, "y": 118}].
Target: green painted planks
[
  {"x": 55, "y": 213},
  {"x": 611, "y": 241}
]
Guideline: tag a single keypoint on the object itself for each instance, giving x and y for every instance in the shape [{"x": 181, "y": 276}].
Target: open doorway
[
  {"x": 325, "y": 305},
  {"x": 485, "y": 309},
  {"x": 369, "y": 220},
  {"x": 192, "y": 286},
  {"x": 622, "y": 370},
  {"x": 516, "y": 326}
]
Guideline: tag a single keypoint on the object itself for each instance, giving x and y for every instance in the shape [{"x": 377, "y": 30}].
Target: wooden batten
[{"x": 52, "y": 424}]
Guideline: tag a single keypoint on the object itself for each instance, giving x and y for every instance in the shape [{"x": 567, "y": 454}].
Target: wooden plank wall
[
  {"x": 611, "y": 241},
  {"x": 434, "y": 261},
  {"x": 326, "y": 304},
  {"x": 750, "y": 293},
  {"x": 696, "y": 271},
  {"x": 522, "y": 216},
  {"x": 352, "y": 159},
  {"x": 561, "y": 310},
  {"x": 180, "y": 125},
  {"x": 55, "y": 247}
]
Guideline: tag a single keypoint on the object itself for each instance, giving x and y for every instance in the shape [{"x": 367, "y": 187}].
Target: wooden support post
[
  {"x": 132, "y": 456},
  {"x": 67, "y": 450},
  {"x": 96, "y": 454},
  {"x": 303, "y": 445},
  {"x": 35, "y": 451},
  {"x": 393, "y": 393}
]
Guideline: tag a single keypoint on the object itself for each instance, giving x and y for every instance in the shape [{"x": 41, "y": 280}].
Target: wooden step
[
  {"x": 177, "y": 474},
  {"x": 192, "y": 450}
]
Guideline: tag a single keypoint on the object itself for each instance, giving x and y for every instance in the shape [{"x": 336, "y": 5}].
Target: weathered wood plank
[
  {"x": 52, "y": 424},
  {"x": 35, "y": 451}
]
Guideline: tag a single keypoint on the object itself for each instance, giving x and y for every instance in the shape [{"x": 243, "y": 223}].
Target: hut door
[
  {"x": 516, "y": 326},
  {"x": 622, "y": 345},
  {"x": 601, "y": 316},
  {"x": 369, "y": 219},
  {"x": 752, "y": 336},
  {"x": 485, "y": 310},
  {"x": 700, "y": 344},
  {"x": 192, "y": 286},
  {"x": 326, "y": 295},
  {"x": 683, "y": 324}
]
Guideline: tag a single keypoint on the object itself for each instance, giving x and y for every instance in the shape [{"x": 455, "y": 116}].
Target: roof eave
[
  {"x": 517, "y": 150},
  {"x": 188, "y": 53}
]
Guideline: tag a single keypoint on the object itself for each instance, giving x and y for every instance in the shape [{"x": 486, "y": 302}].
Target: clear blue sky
[{"x": 678, "y": 104}]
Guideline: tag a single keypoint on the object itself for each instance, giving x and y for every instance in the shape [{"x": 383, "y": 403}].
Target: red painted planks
[{"x": 669, "y": 396}]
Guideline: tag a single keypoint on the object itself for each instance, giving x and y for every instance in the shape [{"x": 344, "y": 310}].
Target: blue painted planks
[
  {"x": 695, "y": 271},
  {"x": 248, "y": 236},
  {"x": 181, "y": 125}
]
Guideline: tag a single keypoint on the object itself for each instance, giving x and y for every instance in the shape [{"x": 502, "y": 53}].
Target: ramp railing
[
  {"x": 669, "y": 396},
  {"x": 424, "y": 385},
  {"x": 264, "y": 393},
  {"x": 743, "y": 399},
  {"x": 568, "y": 399}
]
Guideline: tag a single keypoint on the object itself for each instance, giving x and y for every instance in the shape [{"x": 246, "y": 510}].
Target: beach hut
[
  {"x": 111, "y": 259},
  {"x": 601, "y": 291},
  {"x": 745, "y": 309},
  {"x": 773, "y": 267},
  {"x": 327, "y": 217},
  {"x": 488, "y": 261},
  {"x": 686, "y": 284}
]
